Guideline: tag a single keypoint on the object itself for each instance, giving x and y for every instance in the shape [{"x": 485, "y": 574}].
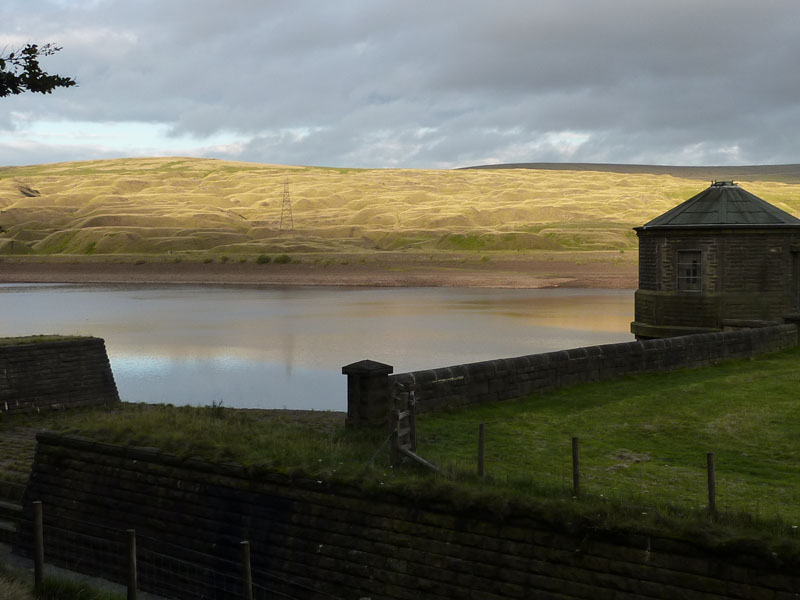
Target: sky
[{"x": 409, "y": 83}]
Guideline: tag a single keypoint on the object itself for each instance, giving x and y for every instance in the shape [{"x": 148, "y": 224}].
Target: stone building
[{"x": 723, "y": 259}]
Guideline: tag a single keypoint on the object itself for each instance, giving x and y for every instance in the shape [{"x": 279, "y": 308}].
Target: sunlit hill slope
[{"x": 183, "y": 205}]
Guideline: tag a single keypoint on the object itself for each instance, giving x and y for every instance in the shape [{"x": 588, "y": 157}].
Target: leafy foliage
[{"x": 20, "y": 72}]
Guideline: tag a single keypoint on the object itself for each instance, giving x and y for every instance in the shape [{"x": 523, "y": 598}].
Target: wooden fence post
[
  {"x": 712, "y": 483},
  {"x": 38, "y": 544},
  {"x": 247, "y": 574},
  {"x": 412, "y": 419},
  {"x": 132, "y": 575},
  {"x": 481, "y": 443},
  {"x": 576, "y": 477},
  {"x": 394, "y": 447}
]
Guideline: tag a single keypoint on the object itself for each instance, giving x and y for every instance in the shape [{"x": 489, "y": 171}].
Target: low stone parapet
[
  {"x": 55, "y": 374},
  {"x": 507, "y": 378}
]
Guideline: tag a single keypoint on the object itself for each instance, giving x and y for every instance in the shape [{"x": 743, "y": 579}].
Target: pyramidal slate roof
[{"x": 724, "y": 204}]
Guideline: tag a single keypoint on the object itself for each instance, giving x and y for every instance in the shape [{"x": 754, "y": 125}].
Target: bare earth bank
[{"x": 391, "y": 272}]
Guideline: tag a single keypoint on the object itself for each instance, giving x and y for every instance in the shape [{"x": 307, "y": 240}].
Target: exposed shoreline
[{"x": 384, "y": 272}]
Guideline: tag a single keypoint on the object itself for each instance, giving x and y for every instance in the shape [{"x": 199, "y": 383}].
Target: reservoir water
[{"x": 273, "y": 347}]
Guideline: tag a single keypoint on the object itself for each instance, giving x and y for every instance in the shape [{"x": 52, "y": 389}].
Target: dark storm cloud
[{"x": 426, "y": 84}]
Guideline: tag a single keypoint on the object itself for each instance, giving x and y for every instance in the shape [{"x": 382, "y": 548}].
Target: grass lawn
[
  {"x": 17, "y": 585},
  {"x": 644, "y": 439},
  {"x": 39, "y": 339}
]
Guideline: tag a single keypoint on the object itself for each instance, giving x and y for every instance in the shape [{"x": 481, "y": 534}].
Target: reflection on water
[
  {"x": 276, "y": 347},
  {"x": 232, "y": 381}
]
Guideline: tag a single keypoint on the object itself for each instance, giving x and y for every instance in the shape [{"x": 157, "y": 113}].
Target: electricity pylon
[{"x": 286, "y": 208}]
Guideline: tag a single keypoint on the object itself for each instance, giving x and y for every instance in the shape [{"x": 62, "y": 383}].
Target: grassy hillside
[{"x": 182, "y": 205}]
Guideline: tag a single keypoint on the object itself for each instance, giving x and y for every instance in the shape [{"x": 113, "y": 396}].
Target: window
[{"x": 689, "y": 271}]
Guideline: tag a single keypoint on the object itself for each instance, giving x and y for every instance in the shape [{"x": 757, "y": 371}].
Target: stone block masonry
[
  {"x": 508, "y": 378},
  {"x": 59, "y": 374},
  {"x": 314, "y": 539},
  {"x": 503, "y": 379},
  {"x": 367, "y": 383}
]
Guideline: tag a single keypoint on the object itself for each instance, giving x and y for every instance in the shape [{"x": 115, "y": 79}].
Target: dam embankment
[{"x": 315, "y": 539}]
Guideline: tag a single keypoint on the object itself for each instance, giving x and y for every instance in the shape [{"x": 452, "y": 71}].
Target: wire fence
[
  {"x": 162, "y": 567},
  {"x": 706, "y": 492}
]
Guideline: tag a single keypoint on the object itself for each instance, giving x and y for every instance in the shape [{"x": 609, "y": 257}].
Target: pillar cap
[{"x": 367, "y": 367}]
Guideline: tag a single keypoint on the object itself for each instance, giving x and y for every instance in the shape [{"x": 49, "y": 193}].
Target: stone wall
[
  {"x": 746, "y": 274},
  {"x": 48, "y": 375},
  {"x": 311, "y": 539},
  {"x": 745, "y": 260},
  {"x": 507, "y": 378}
]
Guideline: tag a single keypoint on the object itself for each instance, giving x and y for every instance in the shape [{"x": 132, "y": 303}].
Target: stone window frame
[{"x": 693, "y": 281}]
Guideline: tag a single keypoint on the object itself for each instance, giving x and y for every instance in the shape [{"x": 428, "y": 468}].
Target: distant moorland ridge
[
  {"x": 784, "y": 173},
  {"x": 188, "y": 207}
]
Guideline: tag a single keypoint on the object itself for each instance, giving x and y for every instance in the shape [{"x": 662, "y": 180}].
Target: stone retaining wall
[
  {"x": 507, "y": 378},
  {"x": 311, "y": 539},
  {"x": 49, "y": 375}
]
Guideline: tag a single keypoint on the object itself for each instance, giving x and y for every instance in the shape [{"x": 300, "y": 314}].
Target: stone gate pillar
[{"x": 369, "y": 396}]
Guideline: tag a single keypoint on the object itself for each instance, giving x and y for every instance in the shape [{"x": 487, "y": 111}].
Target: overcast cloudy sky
[{"x": 409, "y": 83}]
